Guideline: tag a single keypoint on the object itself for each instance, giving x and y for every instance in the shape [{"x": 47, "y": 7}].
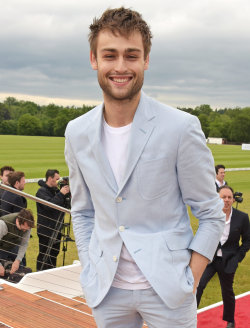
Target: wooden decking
[{"x": 19, "y": 309}]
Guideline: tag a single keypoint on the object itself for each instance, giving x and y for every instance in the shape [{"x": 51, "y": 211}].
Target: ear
[
  {"x": 93, "y": 61},
  {"x": 146, "y": 63}
]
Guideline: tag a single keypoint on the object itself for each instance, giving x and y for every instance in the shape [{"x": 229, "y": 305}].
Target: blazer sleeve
[
  {"x": 82, "y": 210},
  {"x": 196, "y": 176},
  {"x": 245, "y": 238}
]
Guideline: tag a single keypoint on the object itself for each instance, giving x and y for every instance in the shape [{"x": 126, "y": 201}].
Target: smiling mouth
[{"x": 120, "y": 79}]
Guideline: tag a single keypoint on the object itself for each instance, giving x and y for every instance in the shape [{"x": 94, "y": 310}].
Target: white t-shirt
[
  {"x": 220, "y": 184},
  {"x": 115, "y": 142},
  {"x": 225, "y": 233}
]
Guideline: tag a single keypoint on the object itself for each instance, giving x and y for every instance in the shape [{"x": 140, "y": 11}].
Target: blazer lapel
[
  {"x": 95, "y": 139},
  {"x": 142, "y": 128}
]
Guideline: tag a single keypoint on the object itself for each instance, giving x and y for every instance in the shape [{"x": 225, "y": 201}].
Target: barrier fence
[{"x": 59, "y": 236}]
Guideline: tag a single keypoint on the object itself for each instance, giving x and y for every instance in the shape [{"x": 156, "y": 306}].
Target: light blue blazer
[{"x": 169, "y": 167}]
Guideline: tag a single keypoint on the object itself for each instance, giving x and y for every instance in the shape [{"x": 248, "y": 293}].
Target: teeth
[{"x": 120, "y": 80}]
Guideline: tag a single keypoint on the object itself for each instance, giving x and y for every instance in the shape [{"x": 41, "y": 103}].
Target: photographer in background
[
  {"x": 220, "y": 175},
  {"x": 14, "y": 232},
  {"x": 228, "y": 255},
  {"x": 49, "y": 220}
]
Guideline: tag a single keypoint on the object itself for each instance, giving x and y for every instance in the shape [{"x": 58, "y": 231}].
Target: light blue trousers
[{"x": 123, "y": 308}]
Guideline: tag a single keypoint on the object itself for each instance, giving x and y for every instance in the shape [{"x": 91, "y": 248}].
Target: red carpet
[{"x": 212, "y": 318}]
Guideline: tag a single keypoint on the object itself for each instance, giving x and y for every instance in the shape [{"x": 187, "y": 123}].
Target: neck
[{"x": 119, "y": 113}]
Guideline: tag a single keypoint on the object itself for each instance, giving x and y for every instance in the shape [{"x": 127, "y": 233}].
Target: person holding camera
[
  {"x": 49, "y": 220},
  {"x": 228, "y": 255}
]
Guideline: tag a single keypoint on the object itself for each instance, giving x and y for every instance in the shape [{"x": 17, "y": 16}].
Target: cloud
[{"x": 200, "y": 50}]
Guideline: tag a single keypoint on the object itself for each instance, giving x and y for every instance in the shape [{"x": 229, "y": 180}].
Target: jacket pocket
[
  {"x": 232, "y": 264},
  {"x": 95, "y": 254},
  {"x": 152, "y": 178},
  {"x": 178, "y": 243},
  {"x": 95, "y": 251}
]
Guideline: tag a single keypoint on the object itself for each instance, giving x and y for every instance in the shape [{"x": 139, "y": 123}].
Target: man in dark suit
[
  {"x": 229, "y": 253},
  {"x": 11, "y": 202}
]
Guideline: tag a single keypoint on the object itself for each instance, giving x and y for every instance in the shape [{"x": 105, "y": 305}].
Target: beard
[{"x": 114, "y": 93}]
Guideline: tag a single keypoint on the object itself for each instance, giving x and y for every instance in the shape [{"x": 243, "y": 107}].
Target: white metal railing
[{"x": 62, "y": 280}]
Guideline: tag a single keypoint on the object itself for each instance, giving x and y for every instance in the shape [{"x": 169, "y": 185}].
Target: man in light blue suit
[{"x": 135, "y": 164}]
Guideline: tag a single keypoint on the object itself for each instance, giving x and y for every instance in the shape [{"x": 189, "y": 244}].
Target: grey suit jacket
[{"x": 169, "y": 166}]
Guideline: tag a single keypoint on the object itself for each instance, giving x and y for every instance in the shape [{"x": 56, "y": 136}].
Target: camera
[
  {"x": 238, "y": 197},
  {"x": 64, "y": 181}
]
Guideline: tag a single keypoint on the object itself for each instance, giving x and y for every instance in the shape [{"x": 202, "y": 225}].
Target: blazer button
[
  {"x": 119, "y": 199},
  {"x": 121, "y": 228},
  {"x": 114, "y": 258}
]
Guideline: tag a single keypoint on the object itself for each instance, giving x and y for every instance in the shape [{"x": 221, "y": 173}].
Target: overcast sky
[{"x": 200, "y": 52}]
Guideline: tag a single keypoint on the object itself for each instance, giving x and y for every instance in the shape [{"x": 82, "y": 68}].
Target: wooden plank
[
  {"x": 80, "y": 299},
  {"x": 20, "y": 309},
  {"x": 75, "y": 304}
]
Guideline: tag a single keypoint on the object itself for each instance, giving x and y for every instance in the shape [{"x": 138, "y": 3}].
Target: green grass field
[{"x": 34, "y": 155}]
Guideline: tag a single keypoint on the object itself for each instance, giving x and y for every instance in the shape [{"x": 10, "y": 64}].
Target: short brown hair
[
  {"x": 15, "y": 176},
  {"x": 121, "y": 21},
  {"x": 26, "y": 216},
  {"x": 50, "y": 173},
  {"x": 6, "y": 168}
]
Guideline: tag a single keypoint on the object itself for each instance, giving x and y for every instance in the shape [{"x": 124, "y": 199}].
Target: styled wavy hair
[{"x": 121, "y": 21}]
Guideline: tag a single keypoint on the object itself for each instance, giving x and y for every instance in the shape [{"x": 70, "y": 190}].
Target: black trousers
[
  {"x": 226, "y": 283},
  {"x": 48, "y": 252}
]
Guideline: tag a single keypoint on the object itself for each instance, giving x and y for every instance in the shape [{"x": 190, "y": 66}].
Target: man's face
[
  {"x": 220, "y": 175},
  {"x": 4, "y": 177},
  {"x": 53, "y": 181},
  {"x": 120, "y": 64},
  {"x": 24, "y": 227},
  {"x": 228, "y": 198},
  {"x": 20, "y": 184}
]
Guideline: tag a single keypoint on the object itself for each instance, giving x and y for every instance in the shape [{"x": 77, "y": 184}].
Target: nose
[{"x": 120, "y": 65}]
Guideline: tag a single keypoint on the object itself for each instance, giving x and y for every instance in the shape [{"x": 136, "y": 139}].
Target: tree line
[
  {"x": 233, "y": 124},
  {"x": 19, "y": 117}
]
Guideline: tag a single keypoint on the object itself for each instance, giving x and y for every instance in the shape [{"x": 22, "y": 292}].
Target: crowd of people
[{"x": 16, "y": 220}]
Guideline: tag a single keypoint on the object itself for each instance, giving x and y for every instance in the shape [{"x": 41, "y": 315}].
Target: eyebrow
[{"x": 126, "y": 50}]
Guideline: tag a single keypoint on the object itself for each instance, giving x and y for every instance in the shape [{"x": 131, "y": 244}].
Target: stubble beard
[{"x": 127, "y": 94}]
